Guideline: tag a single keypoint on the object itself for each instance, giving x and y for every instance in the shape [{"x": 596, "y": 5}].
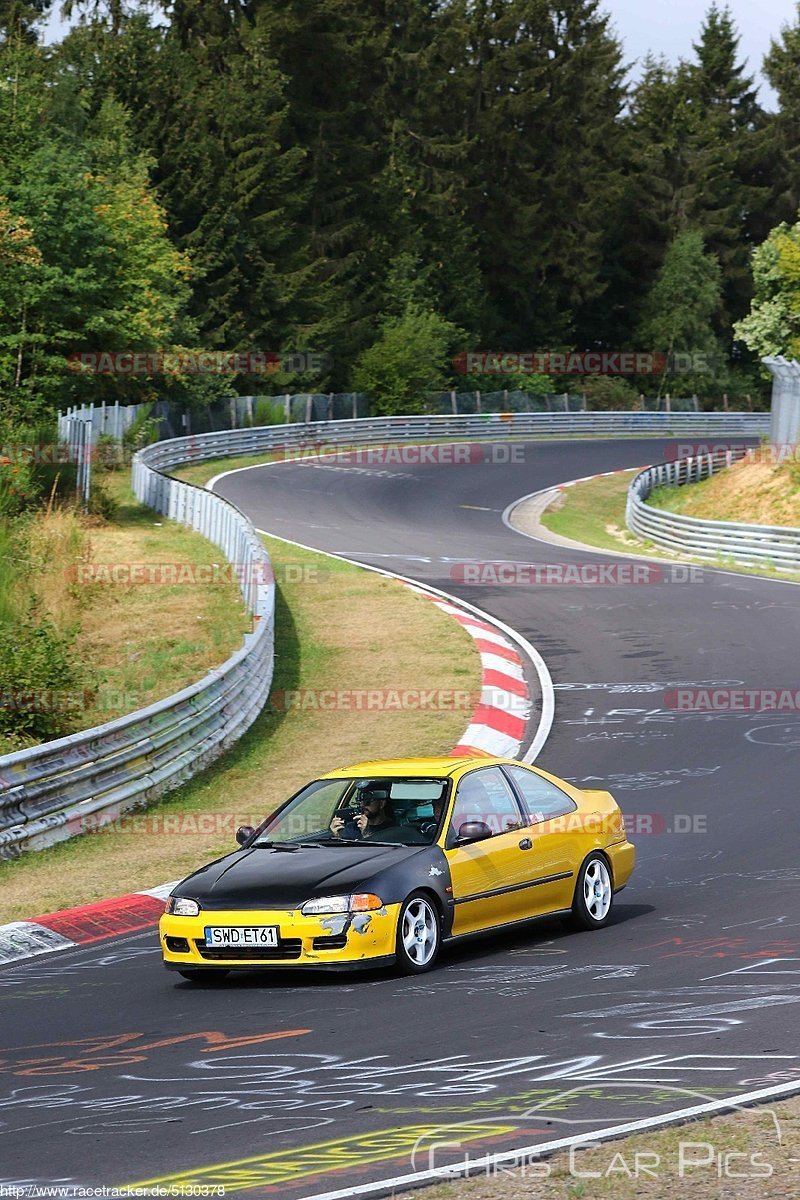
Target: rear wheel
[
  {"x": 419, "y": 935},
  {"x": 206, "y": 977},
  {"x": 594, "y": 894}
]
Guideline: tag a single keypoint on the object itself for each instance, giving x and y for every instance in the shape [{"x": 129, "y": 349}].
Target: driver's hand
[
  {"x": 337, "y": 825},
  {"x": 362, "y": 823}
]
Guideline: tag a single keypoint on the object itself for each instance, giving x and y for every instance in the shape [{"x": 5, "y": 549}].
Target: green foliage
[
  {"x": 773, "y": 324},
  {"x": 40, "y": 678},
  {"x": 409, "y": 359},
  {"x": 300, "y": 175},
  {"x": 142, "y": 431},
  {"x": 679, "y": 313},
  {"x": 268, "y": 412},
  {"x": 608, "y": 393}
]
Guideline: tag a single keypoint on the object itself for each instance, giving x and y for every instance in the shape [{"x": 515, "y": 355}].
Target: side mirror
[
  {"x": 473, "y": 831},
  {"x": 243, "y": 833}
]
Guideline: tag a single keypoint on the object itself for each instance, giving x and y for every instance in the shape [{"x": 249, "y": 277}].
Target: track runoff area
[{"x": 351, "y": 1086}]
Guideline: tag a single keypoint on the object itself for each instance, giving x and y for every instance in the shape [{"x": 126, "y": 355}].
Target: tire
[
  {"x": 204, "y": 977},
  {"x": 594, "y": 894},
  {"x": 419, "y": 935}
]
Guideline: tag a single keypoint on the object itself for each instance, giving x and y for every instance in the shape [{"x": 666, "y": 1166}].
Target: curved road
[{"x": 116, "y": 1074}]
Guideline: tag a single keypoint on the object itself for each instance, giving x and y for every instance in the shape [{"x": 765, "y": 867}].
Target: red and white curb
[
  {"x": 499, "y": 722},
  {"x": 83, "y": 925},
  {"x": 560, "y": 487}
]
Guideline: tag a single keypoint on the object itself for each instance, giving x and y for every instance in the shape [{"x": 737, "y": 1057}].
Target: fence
[
  {"x": 773, "y": 545},
  {"x": 51, "y": 792},
  {"x": 785, "y": 426},
  {"x": 89, "y": 422}
]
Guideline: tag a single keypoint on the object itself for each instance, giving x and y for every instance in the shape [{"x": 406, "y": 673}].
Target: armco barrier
[
  {"x": 774, "y": 545},
  {"x": 49, "y": 793},
  {"x": 369, "y": 430}
]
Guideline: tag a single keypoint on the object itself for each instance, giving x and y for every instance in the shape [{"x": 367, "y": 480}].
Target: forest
[{"x": 389, "y": 190}]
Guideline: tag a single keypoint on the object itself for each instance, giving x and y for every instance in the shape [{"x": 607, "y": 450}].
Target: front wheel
[
  {"x": 594, "y": 894},
  {"x": 419, "y": 935}
]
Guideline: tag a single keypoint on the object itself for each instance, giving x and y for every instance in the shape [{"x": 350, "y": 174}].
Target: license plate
[{"x": 231, "y": 936}]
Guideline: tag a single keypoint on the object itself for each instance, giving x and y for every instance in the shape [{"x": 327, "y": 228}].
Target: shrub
[{"x": 40, "y": 677}]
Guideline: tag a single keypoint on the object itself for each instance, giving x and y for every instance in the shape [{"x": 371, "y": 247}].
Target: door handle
[{"x": 526, "y": 844}]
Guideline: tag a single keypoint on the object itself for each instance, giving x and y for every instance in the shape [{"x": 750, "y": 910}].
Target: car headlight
[
  {"x": 360, "y": 902},
  {"x": 178, "y": 907}
]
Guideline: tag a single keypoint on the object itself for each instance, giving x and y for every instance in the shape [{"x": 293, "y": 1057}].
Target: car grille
[
  {"x": 337, "y": 942},
  {"x": 286, "y": 948}
]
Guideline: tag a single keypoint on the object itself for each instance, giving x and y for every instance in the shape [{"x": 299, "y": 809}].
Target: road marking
[{"x": 282, "y": 1166}]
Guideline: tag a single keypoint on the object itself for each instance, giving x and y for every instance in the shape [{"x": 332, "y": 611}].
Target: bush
[
  {"x": 40, "y": 696},
  {"x": 609, "y": 393},
  {"x": 410, "y": 358},
  {"x": 269, "y": 412}
]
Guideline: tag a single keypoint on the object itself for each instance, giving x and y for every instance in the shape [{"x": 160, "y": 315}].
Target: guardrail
[
  {"x": 51, "y": 792},
  {"x": 54, "y": 791},
  {"x": 369, "y": 430},
  {"x": 773, "y": 545}
]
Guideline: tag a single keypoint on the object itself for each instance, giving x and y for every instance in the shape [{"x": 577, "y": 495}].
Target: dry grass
[
  {"x": 139, "y": 642},
  {"x": 761, "y": 1143},
  {"x": 755, "y": 493},
  {"x": 146, "y": 641},
  {"x": 348, "y": 629}
]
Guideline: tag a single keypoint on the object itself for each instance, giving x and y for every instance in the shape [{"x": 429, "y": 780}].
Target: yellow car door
[
  {"x": 490, "y": 875},
  {"x": 555, "y": 834}
]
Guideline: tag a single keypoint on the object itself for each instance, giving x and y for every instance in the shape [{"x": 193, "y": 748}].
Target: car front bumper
[{"x": 333, "y": 940}]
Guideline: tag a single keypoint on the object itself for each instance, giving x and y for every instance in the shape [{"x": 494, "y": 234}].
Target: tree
[
  {"x": 773, "y": 323},
  {"x": 409, "y": 358},
  {"x": 19, "y": 18},
  {"x": 681, "y": 306},
  {"x": 543, "y": 95},
  {"x": 782, "y": 69}
]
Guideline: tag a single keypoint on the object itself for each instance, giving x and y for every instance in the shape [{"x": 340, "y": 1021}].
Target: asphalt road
[{"x": 116, "y": 1073}]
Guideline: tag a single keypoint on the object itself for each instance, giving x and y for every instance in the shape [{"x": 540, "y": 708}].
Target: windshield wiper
[{"x": 360, "y": 842}]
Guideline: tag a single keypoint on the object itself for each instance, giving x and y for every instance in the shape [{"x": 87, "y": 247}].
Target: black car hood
[{"x": 286, "y": 878}]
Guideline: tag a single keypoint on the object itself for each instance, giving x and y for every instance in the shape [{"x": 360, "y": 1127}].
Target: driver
[{"x": 374, "y": 819}]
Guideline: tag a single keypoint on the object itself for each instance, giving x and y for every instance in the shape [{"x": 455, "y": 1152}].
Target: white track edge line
[{"x": 732, "y": 1103}]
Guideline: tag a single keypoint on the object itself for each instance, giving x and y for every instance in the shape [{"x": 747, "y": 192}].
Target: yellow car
[{"x": 383, "y": 862}]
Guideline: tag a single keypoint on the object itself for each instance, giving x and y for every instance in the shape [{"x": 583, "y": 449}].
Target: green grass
[{"x": 593, "y": 513}]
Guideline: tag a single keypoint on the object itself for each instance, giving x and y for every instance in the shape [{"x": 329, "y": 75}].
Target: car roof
[{"x": 428, "y": 767}]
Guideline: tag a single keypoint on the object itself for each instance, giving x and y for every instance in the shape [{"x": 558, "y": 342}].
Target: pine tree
[{"x": 543, "y": 112}]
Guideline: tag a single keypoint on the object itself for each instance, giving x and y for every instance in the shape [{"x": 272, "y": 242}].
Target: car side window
[
  {"x": 543, "y": 799},
  {"x": 484, "y": 795}
]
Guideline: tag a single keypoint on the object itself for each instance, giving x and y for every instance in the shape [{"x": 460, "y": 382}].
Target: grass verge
[
  {"x": 337, "y": 628},
  {"x": 755, "y": 493},
  {"x": 135, "y": 642},
  {"x": 594, "y": 513},
  {"x": 746, "y": 1155}
]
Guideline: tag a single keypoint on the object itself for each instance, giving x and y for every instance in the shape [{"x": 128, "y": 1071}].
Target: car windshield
[{"x": 398, "y": 811}]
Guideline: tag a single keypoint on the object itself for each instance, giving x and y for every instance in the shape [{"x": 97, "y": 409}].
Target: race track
[{"x": 116, "y": 1074}]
